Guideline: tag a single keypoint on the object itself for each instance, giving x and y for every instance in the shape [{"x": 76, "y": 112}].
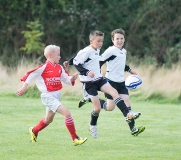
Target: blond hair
[{"x": 50, "y": 49}]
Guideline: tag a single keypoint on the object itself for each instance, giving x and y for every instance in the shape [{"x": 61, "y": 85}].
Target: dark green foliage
[
  {"x": 33, "y": 39},
  {"x": 153, "y": 28}
]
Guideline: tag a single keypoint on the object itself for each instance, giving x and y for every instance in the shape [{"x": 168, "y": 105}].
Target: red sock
[
  {"x": 39, "y": 126},
  {"x": 71, "y": 128}
]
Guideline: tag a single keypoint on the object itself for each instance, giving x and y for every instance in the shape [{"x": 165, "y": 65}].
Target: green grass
[{"x": 160, "y": 140}]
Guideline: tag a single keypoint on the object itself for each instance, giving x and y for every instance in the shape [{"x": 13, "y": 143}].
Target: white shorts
[{"x": 51, "y": 100}]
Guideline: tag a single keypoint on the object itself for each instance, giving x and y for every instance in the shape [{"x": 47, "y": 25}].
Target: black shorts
[
  {"x": 92, "y": 88},
  {"x": 120, "y": 87}
]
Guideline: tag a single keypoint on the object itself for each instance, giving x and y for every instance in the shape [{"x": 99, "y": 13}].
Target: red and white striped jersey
[{"x": 48, "y": 77}]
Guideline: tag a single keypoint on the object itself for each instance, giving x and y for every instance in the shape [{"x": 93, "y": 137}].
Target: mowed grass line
[{"x": 161, "y": 139}]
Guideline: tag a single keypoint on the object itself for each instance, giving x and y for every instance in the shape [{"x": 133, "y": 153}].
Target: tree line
[{"x": 153, "y": 27}]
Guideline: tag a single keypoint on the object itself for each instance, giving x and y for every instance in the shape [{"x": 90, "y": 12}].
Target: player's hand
[
  {"x": 65, "y": 64},
  {"x": 20, "y": 91},
  {"x": 74, "y": 76},
  {"x": 91, "y": 74},
  {"x": 133, "y": 72}
]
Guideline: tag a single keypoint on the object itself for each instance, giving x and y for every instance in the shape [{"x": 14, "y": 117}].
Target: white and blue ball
[{"x": 133, "y": 82}]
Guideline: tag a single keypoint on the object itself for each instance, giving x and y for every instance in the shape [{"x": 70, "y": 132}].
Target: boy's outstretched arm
[{"x": 22, "y": 90}]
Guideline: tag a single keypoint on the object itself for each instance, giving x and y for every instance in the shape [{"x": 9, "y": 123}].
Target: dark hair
[
  {"x": 120, "y": 31},
  {"x": 95, "y": 33}
]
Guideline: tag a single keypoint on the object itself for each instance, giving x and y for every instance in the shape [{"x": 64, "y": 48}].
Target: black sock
[
  {"x": 122, "y": 106},
  {"x": 103, "y": 104},
  {"x": 129, "y": 108},
  {"x": 131, "y": 124},
  {"x": 94, "y": 117}
]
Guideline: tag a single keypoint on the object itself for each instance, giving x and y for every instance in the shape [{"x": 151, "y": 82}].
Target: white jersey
[
  {"x": 116, "y": 60},
  {"x": 87, "y": 60}
]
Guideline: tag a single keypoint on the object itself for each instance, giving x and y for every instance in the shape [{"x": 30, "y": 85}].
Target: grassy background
[
  {"x": 158, "y": 100},
  {"x": 159, "y": 84},
  {"x": 160, "y": 140}
]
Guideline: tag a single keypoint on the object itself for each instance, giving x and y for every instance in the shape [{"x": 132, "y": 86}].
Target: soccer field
[{"x": 160, "y": 140}]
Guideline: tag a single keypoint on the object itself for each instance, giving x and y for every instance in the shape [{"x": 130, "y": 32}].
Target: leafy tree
[
  {"x": 156, "y": 29},
  {"x": 153, "y": 28},
  {"x": 33, "y": 38}
]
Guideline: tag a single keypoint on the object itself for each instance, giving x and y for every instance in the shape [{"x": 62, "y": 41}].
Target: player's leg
[
  {"x": 120, "y": 89},
  {"x": 94, "y": 116},
  {"x": 51, "y": 104},
  {"x": 134, "y": 130},
  {"x": 110, "y": 101},
  {"x": 86, "y": 98},
  {"x": 110, "y": 105},
  {"x": 92, "y": 91},
  {"x": 123, "y": 92},
  {"x": 41, "y": 125},
  {"x": 107, "y": 88},
  {"x": 126, "y": 99},
  {"x": 132, "y": 123},
  {"x": 69, "y": 122},
  {"x": 84, "y": 101}
]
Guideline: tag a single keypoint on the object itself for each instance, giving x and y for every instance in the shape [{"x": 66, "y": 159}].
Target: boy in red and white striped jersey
[{"x": 48, "y": 79}]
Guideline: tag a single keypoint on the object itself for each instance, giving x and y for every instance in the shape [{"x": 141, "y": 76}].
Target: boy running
[
  {"x": 115, "y": 57},
  {"x": 48, "y": 80}
]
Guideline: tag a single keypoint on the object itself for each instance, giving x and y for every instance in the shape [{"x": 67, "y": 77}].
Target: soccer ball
[{"x": 133, "y": 82}]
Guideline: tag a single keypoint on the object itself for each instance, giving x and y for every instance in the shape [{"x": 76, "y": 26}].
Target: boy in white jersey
[
  {"x": 115, "y": 58},
  {"x": 87, "y": 63},
  {"x": 48, "y": 80}
]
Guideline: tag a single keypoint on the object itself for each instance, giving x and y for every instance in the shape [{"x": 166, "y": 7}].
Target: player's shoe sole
[
  {"x": 79, "y": 141},
  {"x": 136, "y": 115},
  {"x": 33, "y": 136},
  {"x": 137, "y": 131},
  {"x": 82, "y": 102}
]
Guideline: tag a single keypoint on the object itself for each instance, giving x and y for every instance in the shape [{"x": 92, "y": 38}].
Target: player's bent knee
[
  {"x": 67, "y": 115},
  {"x": 97, "y": 110},
  {"x": 108, "y": 108}
]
